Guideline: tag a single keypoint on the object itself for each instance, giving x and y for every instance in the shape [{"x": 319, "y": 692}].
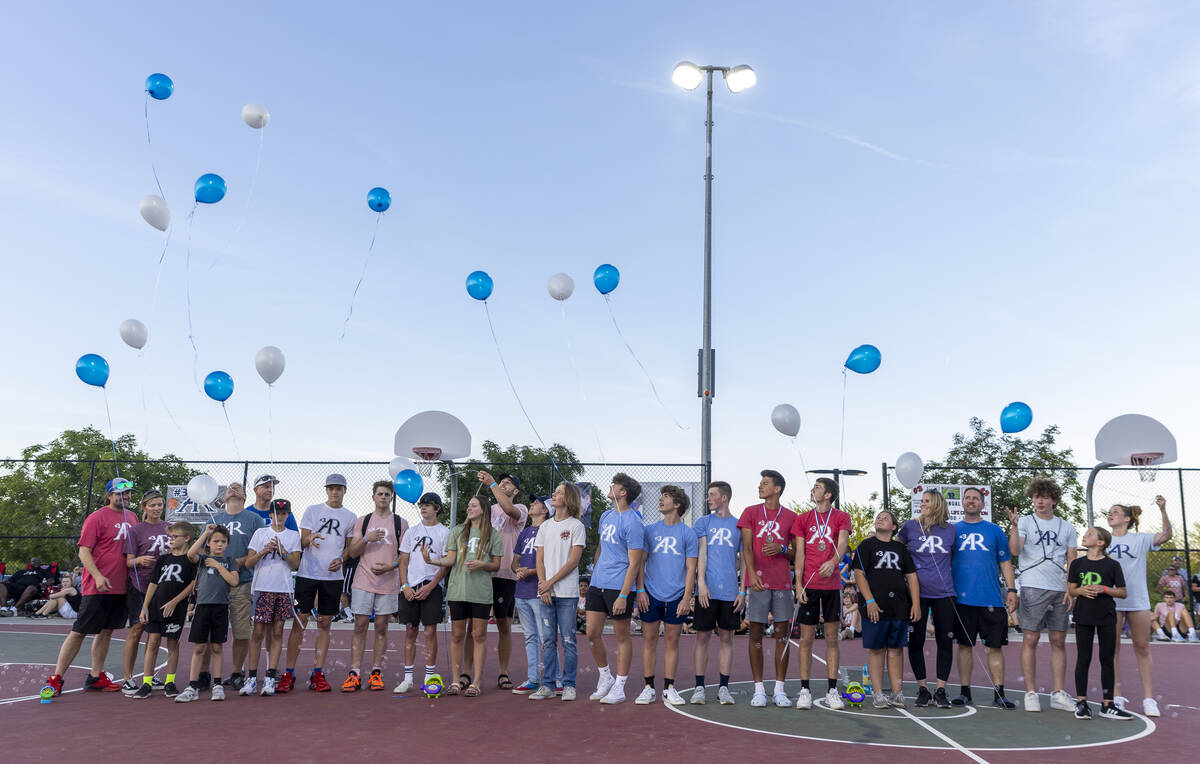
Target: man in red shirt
[{"x": 103, "y": 543}]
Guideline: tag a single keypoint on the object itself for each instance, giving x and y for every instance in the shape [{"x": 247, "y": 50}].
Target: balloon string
[
  {"x": 158, "y": 271},
  {"x": 262, "y": 131},
  {"x": 361, "y": 276},
  {"x": 232, "y": 434},
  {"x": 562, "y": 305},
  {"x": 803, "y": 469},
  {"x": 842, "y": 447},
  {"x": 187, "y": 282},
  {"x": 636, "y": 360},
  {"x": 270, "y": 425},
  {"x": 111, "y": 434},
  {"x": 167, "y": 409},
  {"x": 150, "y": 146}
]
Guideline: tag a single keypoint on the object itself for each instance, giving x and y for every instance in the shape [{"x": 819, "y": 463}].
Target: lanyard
[
  {"x": 821, "y": 529},
  {"x": 775, "y": 521}
]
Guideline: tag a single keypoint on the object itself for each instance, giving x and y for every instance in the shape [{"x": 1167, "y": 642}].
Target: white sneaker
[
  {"x": 759, "y": 700},
  {"x": 1161, "y": 635},
  {"x": 249, "y": 687},
  {"x": 188, "y": 695},
  {"x": 1062, "y": 701},
  {"x": 1120, "y": 702},
  {"x": 1150, "y": 707},
  {"x": 833, "y": 699},
  {"x": 268, "y": 685},
  {"x": 568, "y": 693},
  {"x": 671, "y": 696},
  {"x": 698, "y": 698},
  {"x": 1177, "y": 637},
  {"x": 1033, "y": 704},
  {"x": 614, "y": 696},
  {"x": 218, "y": 692},
  {"x": 804, "y": 699},
  {"x": 781, "y": 700},
  {"x": 405, "y": 686},
  {"x": 606, "y": 684},
  {"x": 542, "y": 693},
  {"x": 1192, "y": 636},
  {"x": 646, "y": 697},
  {"x": 725, "y": 697}
]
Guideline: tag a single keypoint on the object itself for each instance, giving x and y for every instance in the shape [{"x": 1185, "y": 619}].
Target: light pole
[
  {"x": 689, "y": 76},
  {"x": 837, "y": 473}
]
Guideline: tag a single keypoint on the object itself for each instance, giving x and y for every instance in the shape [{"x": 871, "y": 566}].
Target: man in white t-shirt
[
  {"x": 421, "y": 593},
  {"x": 559, "y": 543},
  {"x": 1046, "y": 546},
  {"x": 323, "y": 533},
  {"x": 508, "y": 519}
]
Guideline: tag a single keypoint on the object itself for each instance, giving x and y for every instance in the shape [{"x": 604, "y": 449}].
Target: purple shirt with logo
[
  {"x": 524, "y": 549},
  {"x": 147, "y": 539},
  {"x": 931, "y": 554}
]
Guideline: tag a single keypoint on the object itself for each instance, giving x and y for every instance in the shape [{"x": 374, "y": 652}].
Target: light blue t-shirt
[
  {"x": 668, "y": 547},
  {"x": 619, "y": 532},
  {"x": 979, "y": 548},
  {"x": 723, "y": 541}
]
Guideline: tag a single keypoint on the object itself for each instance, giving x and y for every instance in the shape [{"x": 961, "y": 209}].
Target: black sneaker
[
  {"x": 169, "y": 690},
  {"x": 236, "y": 681},
  {"x": 128, "y": 688},
  {"x": 923, "y": 697},
  {"x": 963, "y": 700},
  {"x": 1110, "y": 711},
  {"x": 940, "y": 699},
  {"x": 999, "y": 701},
  {"x": 1083, "y": 711},
  {"x": 143, "y": 692},
  {"x": 156, "y": 683}
]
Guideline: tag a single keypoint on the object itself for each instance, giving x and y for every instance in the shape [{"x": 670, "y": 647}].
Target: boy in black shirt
[
  {"x": 1094, "y": 580},
  {"x": 890, "y": 597},
  {"x": 164, "y": 610}
]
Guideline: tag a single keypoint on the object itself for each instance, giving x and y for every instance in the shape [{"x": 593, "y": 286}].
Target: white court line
[
  {"x": 7, "y": 701},
  {"x": 1176, "y": 705},
  {"x": 944, "y": 737},
  {"x": 814, "y": 655}
]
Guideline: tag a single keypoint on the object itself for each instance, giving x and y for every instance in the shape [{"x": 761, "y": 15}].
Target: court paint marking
[
  {"x": 946, "y": 738},
  {"x": 971, "y": 710},
  {"x": 7, "y": 701}
]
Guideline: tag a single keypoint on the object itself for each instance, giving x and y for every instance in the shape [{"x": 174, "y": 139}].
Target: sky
[{"x": 1000, "y": 196}]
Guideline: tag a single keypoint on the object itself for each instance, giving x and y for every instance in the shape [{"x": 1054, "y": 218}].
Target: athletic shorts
[
  {"x": 133, "y": 605},
  {"x": 171, "y": 627},
  {"x": 241, "y": 611},
  {"x": 504, "y": 597},
  {"x": 823, "y": 605},
  {"x": 601, "y": 601},
  {"x": 718, "y": 615},
  {"x": 327, "y": 594},
  {"x": 989, "y": 624},
  {"x": 365, "y": 603},
  {"x": 778, "y": 603},
  {"x": 426, "y": 612},
  {"x": 210, "y": 625},
  {"x": 272, "y": 607},
  {"x": 877, "y": 635},
  {"x": 461, "y": 611},
  {"x": 667, "y": 612},
  {"x": 1041, "y": 610},
  {"x": 348, "y": 572},
  {"x": 100, "y": 612}
]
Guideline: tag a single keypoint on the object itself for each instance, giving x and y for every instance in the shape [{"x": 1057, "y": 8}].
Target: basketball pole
[{"x": 1091, "y": 483}]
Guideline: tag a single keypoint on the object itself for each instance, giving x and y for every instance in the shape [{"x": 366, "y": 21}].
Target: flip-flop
[
  {"x": 472, "y": 691},
  {"x": 504, "y": 682}
]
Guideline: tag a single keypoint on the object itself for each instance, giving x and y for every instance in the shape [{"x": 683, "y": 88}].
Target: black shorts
[
  {"x": 328, "y": 595},
  {"x": 16, "y": 591},
  {"x": 348, "y": 572},
  {"x": 461, "y": 611},
  {"x": 170, "y": 627},
  {"x": 718, "y": 615},
  {"x": 823, "y": 604},
  {"x": 133, "y": 605},
  {"x": 504, "y": 597},
  {"x": 601, "y": 601},
  {"x": 989, "y": 624},
  {"x": 427, "y": 612},
  {"x": 210, "y": 625},
  {"x": 100, "y": 612}
]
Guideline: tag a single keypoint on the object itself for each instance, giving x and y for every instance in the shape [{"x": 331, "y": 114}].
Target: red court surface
[{"x": 305, "y": 726}]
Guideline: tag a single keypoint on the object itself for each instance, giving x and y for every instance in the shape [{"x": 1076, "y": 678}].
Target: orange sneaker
[
  {"x": 352, "y": 683},
  {"x": 375, "y": 680}
]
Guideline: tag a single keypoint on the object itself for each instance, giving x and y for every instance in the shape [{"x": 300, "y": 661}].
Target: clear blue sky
[{"x": 1000, "y": 196}]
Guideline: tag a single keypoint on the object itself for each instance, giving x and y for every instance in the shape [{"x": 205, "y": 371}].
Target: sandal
[
  {"x": 454, "y": 688},
  {"x": 504, "y": 682},
  {"x": 472, "y": 691}
]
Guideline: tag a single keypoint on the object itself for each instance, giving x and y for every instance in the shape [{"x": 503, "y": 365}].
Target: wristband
[
  {"x": 493, "y": 485},
  {"x": 1012, "y": 591},
  {"x": 403, "y": 587},
  {"x": 623, "y": 596},
  {"x": 744, "y": 594},
  {"x": 870, "y": 600}
]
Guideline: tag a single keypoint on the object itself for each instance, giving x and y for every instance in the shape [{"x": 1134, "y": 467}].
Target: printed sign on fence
[
  {"x": 180, "y": 507},
  {"x": 953, "y": 495}
]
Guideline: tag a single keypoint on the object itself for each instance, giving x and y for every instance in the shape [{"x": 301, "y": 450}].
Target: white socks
[
  {"x": 758, "y": 687},
  {"x": 778, "y": 687},
  {"x": 605, "y": 673}
]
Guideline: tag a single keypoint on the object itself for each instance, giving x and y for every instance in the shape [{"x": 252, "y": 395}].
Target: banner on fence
[
  {"x": 953, "y": 496},
  {"x": 180, "y": 507}
]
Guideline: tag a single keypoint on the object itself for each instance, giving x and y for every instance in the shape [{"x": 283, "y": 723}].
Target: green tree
[{"x": 44, "y": 493}]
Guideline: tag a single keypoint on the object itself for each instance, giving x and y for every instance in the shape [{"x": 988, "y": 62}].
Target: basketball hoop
[
  {"x": 427, "y": 456},
  {"x": 1145, "y": 463}
]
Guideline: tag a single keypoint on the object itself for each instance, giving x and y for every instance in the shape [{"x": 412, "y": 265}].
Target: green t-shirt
[{"x": 472, "y": 585}]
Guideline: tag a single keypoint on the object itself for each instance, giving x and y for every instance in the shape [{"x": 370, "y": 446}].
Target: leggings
[
  {"x": 944, "y": 616},
  {"x": 1083, "y": 657}
]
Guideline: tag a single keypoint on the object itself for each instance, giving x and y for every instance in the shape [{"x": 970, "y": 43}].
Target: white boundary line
[
  {"x": 7, "y": 701},
  {"x": 946, "y": 738}
]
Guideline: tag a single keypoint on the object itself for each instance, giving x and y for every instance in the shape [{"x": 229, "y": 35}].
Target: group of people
[{"x": 253, "y": 569}]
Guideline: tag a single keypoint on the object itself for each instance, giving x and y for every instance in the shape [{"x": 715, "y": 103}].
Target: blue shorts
[
  {"x": 662, "y": 611},
  {"x": 877, "y": 636}
]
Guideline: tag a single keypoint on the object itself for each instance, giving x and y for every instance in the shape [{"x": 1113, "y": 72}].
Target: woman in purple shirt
[{"x": 930, "y": 539}]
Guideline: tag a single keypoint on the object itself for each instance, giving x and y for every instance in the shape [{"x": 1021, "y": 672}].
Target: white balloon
[
  {"x": 202, "y": 489},
  {"x": 909, "y": 469},
  {"x": 561, "y": 286},
  {"x": 155, "y": 211},
  {"x": 134, "y": 333},
  {"x": 256, "y": 115},
  {"x": 786, "y": 419},
  {"x": 269, "y": 362},
  {"x": 399, "y": 464}
]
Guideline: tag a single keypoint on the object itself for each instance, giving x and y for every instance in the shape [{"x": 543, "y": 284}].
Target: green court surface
[
  {"x": 28, "y": 657},
  {"x": 980, "y": 728}
]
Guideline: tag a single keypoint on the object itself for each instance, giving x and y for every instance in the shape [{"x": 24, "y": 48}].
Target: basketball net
[
  {"x": 1145, "y": 464},
  {"x": 427, "y": 456}
]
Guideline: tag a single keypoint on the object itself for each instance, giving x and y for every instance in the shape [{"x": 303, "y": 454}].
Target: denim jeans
[
  {"x": 559, "y": 618},
  {"x": 529, "y": 611}
]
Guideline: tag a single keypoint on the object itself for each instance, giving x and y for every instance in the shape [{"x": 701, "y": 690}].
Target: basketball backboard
[
  {"x": 433, "y": 436},
  {"x": 1136, "y": 440}
]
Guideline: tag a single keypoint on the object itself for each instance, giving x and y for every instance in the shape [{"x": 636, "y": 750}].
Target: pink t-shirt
[
  {"x": 815, "y": 527},
  {"x": 1161, "y": 610},
  {"x": 106, "y": 533},
  {"x": 508, "y": 529},
  {"x": 386, "y": 551},
  {"x": 767, "y": 526}
]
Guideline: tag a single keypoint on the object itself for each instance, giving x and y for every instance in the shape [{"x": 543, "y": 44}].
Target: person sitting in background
[
  {"x": 1174, "y": 582},
  {"x": 1172, "y": 622},
  {"x": 851, "y": 618},
  {"x": 24, "y": 587},
  {"x": 581, "y": 614},
  {"x": 63, "y": 601}
]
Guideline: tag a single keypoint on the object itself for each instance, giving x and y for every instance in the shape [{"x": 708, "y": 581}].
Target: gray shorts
[
  {"x": 366, "y": 603},
  {"x": 1042, "y": 610},
  {"x": 780, "y": 603}
]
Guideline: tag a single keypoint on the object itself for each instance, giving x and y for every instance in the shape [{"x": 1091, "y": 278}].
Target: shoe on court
[
  {"x": 999, "y": 701},
  {"x": 286, "y": 682},
  {"x": 896, "y": 699},
  {"x": 698, "y": 698},
  {"x": 672, "y": 697},
  {"x": 1161, "y": 635},
  {"x": 1177, "y": 637},
  {"x": 375, "y": 680},
  {"x": 924, "y": 698},
  {"x": 803, "y": 699},
  {"x": 169, "y": 689},
  {"x": 1120, "y": 701},
  {"x": 188, "y": 695},
  {"x": 781, "y": 700},
  {"x": 56, "y": 682},
  {"x": 524, "y": 688},
  {"x": 236, "y": 681},
  {"x": 407, "y": 685},
  {"x": 1191, "y": 637},
  {"x": 1032, "y": 703},
  {"x": 616, "y": 694},
  {"x": 1149, "y": 707},
  {"x": 142, "y": 693},
  {"x": 760, "y": 700},
  {"x": 940, "y": 699},
  {"x": 1110, "y": 711},
  {"x": 602, "y": 687},
  {"x": 1062, "y": 701},
  {"x": 249, "y": 687},
  {"x": 101, "y": 683},
  {"x": 542, "y": 693},
  {"x": 724, "y": 696},
  {"x": 318, "y": 683},
  {"x": 962, "y": 700},
  {"x": 129, "y": 689},
  {"x": 646, "y": 697},
  {"x": 218, "y": 693},
  {"x": 268, "y": 685},
  {"x": 880, "y": 700},
  {"x": 352, "y": 682},
  {"x": 1083, "y": 711},
  {"x": 568, "y": 694},
  {"x": 156, "y": 683},
  {"x": 833, "y": 700}
]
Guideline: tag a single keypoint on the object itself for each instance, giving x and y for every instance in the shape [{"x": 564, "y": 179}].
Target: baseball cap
[
  {"x": 543, "y": 499},
  {"x": 118, "y": 485},
  {"x": 515, "y": 480},
  {"x": 335, "y": 479},
  {"x": 263, "y": 479},
  {"x": 281, "y": 505},
  {"x": 430, "y": 498}
]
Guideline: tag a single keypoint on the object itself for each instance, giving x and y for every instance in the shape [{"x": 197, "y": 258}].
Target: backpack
[{"x": 362, "y": 530}]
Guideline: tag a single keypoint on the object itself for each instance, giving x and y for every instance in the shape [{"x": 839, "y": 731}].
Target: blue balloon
[
  {"x": 864, "y": 359},
  {"x": 92, "y": 369},
  {"x": 479, "y": 285},
  {"x": 408, "y": 485},
  {"x": 210, "y": 188},
  {"x": 218, "y": 385},
  {"x": 606, "y": 278},
  {"x": 1015, "y": 417},
  {"x": 379, "y": 199},
  {"x": 159, "y": 86}
]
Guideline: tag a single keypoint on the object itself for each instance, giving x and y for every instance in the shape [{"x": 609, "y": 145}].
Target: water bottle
[{"x": 866, "y": 679}]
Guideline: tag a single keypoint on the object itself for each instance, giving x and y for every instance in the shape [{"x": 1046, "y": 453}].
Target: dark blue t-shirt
[
  {"x": 265, "y": 514},
  {"x": 525, "y": 550}
]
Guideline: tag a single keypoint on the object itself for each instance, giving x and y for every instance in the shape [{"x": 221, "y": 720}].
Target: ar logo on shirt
[
  {"x": 472, "y": 545},
  {"x": 171, "y": 573},
  {"x": 665, "y": 545},
  {"x": 931, "y": 545},
  {"x": 721, "y": 537},
  {"x": 608, "y": 533},
  {"x": 122, "y": 530},
  {"x": 885, "y": 560},
  {"x": 234, "y": 526},
  {"x": 1121, "y": 551},
  {"x": 817, "y": 534},
  {"x": 972, "y": 542},
  {"x": 158, "y": 545},
  {"x": 1090, "y": 578},
  {"x": 769, "y": 529},
  {"x": 1047, "y": 538},
  {"x": 330, "y": 525},
  {"x": 528, "y": 547}
]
